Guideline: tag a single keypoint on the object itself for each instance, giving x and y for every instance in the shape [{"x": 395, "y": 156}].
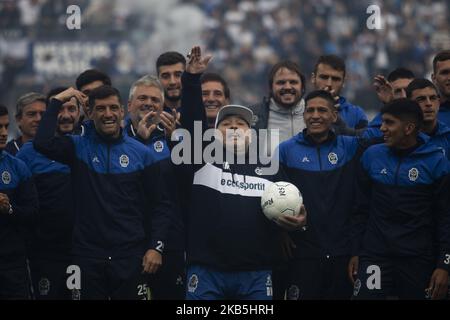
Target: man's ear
[
  {"x": 335, "y": 115},
  {"x": 433, "y": 78},
  {"x": 410, "y": 128}
]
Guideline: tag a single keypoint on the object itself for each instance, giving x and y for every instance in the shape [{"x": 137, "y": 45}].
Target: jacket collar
[{"x": 304, "y": 138}]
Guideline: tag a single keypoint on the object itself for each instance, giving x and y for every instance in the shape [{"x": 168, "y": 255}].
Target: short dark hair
[
  {"x": 320, "y": 94},
  {"x": 400, "y": 73},
  {"x": 3, "y": 110},
  {"x": 102, "y": 93},
  {"x": 333, "y": 61},
  {"x": 418, "y": 84},
  {"x": 405, "y": 109},
  {"x": 290, "y": 65},
  {"x": 53, "y": 92},
  {"x": 90, "y": 76},
  {"x": 443, "y": 55},
  {"x": 170, "y": 58},
  {"x": 214, "y": 77}
]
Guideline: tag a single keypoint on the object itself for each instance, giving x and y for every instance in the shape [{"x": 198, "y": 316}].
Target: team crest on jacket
[
  {"x": 158, "y": 146},
  {"x": 6, "y": 177},
  {"x": 44, "y": 286},
  {"x": 293, "y": 293},
  {"x": 124, "y": 161},
  {"x": 333, "y": 158},
  {"x": 193, "y": 283},
  {"x": 413, "y": 174}
]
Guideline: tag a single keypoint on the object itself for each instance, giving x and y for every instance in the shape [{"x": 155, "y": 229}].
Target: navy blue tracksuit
[
  {"x": 353, "y": 116},
  {"x": 17, "y": 184},
  {"x": 51, "y": 238},
  {"x": 401, "y": 222},
  {"x": 231, "y": 245},
  {"x": 122, "y": 210},
  {"x": 444, "y": 113},
  {"x": 169, "y": 282},
  {"x": 324, "y": 174}
]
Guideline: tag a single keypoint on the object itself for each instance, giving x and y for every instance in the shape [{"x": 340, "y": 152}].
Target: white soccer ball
[{"x": 281, "y": 198}]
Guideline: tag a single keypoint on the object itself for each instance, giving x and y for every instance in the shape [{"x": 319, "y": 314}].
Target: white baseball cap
[{"x": 234, "y": 110}]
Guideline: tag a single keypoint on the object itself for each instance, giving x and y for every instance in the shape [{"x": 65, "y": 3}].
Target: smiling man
[
  {"x": 122, "y": 188},
  {"x": 283, "y": 109},
  {"x": 51, "y": 239},
  {"x": 216, "y": 94},
  {"x": 322, "y": 166},
  {"x": 401, "y": 221}
]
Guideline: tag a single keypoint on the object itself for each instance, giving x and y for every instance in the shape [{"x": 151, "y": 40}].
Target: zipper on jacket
[
  {"x": 320, "y": 160},
  {"x": 109, "y": 151},
  {"x": 397, "y": 170}
]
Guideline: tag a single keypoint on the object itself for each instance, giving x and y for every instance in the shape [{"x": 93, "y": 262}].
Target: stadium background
[{"x": 124, "y": 38}]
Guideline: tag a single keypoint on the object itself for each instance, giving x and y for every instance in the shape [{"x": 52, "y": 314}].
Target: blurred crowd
[{"x": 245, "y": 37}]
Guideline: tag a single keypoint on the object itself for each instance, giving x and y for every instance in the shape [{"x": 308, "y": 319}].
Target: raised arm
[
  {"x": 191, "y": 98},
  {"x": 61, "y": 149}
]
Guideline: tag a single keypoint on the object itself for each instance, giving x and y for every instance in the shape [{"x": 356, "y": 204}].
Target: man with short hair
[
  {"x": 87, "y": 81},
  {"x": 151, "y": 126},
  {"x": 170, "y": 66},
  {"x": 387, "y": 90},
  {"x": 329, "y": 74},
  {"x": 426, "y": 95},
  {"x": 215, "y": 93},
  {"x": 29, "y": 110},
  {"x": 401, "y": 221},
  {"x": 123, "y": 210},
  {"x": 322, "y": 166},
  {"x": 51, "y": 237},
  {"x": 90, "y": 79},
  {"x": 18, "y": 211},
  {"x": 441, "y": 78}
]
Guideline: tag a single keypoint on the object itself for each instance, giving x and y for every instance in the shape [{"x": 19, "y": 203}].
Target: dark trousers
[
  {"x": 168, "y": 283},
  {"x": 405, "y": 278},
  {"x": 14, "y": 280},
  {"x": 104, "y": 279},
  {"x": 318, "y": 279},
  {"x": 49, "y": 278}
]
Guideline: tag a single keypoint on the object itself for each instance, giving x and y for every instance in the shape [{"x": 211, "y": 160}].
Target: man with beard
[
  {"x": 215, "y": 93},
  {"x": 29, "y": 110},
  {"x": 170, "y": 66},
  {"x": 284, "y": 107},
  {"x": 18, "y": 210},
  {"x": 441, "y": 78},
  {"x": 329, "y": 74},
  {"x": 51, "y": 237}
]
